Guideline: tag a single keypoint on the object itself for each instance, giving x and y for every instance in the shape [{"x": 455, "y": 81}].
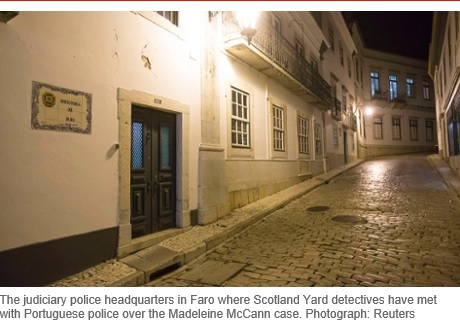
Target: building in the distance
[{"x": 397, "y": 105}]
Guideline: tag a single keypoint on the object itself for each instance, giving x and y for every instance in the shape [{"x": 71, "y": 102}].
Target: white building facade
[
  {"x": 74, "y": 191},
  {"x": 397, "y": 106},
  {"x": 444, "y": 66},
  {"x": 124, "y": 128}
]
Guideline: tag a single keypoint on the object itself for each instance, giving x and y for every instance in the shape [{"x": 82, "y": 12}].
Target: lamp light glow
[
  {"x": 369, "y": 111},
  {"x": 248, "y": 20}
]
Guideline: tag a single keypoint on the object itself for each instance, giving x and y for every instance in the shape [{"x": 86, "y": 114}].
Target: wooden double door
[{"x": 153, "y": 171}]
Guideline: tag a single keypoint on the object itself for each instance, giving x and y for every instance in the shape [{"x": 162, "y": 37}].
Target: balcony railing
[
  {"x": 349, "y": 120},
  {"x": 281, "y": 52},
  {"x": 401, "y": 98},
  {"x": 336, "y": 110}
]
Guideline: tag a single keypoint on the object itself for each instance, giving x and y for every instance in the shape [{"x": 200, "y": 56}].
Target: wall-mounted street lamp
[
  {"x": 248, "y": 20},
  {"x": 369, "y": 111}
]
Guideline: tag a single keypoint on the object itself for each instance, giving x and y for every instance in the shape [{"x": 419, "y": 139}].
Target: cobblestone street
[{"x": 399, "y": 226}]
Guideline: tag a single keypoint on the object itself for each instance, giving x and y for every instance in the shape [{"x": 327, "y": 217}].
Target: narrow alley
[{"x": 390, "y": 221}]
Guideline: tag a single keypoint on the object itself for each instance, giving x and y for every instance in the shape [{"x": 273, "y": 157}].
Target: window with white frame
[
  {"x": 396, "y": 128},
  {"x": 302, "y": 132},
  {"x": 429, "y": 129},
  {"x": 172, "y": 16},
  {"x": 240, "y": 118},
  {"x": 344, "y": 100},
  {"x": 426, "y": 89},
  {"x": 318, "y": 139},
  {"x": 413, "y": 129},
  {"x": 278, "y": 128},
  {"x": 335, "y": 135},
  {"x": 378, "y": 129}
]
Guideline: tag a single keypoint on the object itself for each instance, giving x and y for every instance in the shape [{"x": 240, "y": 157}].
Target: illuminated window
[
  {"x": 393, "y": 87},
  {"x": 410, "y": 87},
  {"x": 375, "y": 83}
]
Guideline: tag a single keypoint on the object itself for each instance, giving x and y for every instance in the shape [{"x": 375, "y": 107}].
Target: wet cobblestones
[{"x": 410, "y": 237}]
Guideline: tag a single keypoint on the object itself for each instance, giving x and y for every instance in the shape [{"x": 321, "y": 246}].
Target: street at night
[{"x": 390, "y": 221}]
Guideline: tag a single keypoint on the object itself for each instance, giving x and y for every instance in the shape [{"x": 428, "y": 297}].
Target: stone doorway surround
[{"x": 126, "y": 99}]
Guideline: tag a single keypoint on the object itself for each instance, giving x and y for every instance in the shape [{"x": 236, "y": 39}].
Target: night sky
[{"x": 406, "y": 33}]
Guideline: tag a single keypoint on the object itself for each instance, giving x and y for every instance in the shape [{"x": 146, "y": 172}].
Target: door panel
[{"x": 153, "y": 171}]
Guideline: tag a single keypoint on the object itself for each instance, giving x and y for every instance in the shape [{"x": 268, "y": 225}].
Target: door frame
[
  {"x": 127, "y": 99},
  {"x": 345, "y": 147}
]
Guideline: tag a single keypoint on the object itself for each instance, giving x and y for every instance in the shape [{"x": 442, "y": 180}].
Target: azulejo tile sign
[{"x": 61, "y": 109}]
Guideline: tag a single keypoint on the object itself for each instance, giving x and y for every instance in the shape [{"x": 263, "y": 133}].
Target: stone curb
[
  {"x": 448, "y": 176},
  {"x": 158, "y": 259}
]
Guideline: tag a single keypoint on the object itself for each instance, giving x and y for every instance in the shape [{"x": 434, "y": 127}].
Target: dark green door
[{"x": 153, "y": 171}]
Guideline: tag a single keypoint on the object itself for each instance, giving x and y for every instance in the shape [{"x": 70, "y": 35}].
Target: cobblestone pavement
[{"x": 408, "y": 234}]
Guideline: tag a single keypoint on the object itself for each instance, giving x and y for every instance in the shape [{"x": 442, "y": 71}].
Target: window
[
  {"x": 240, "y": 118},
  {"x": 393, "y": 87},
  {"x": 341, "y": 53},
  {"x": 375, "y": 83},
  {"x": 314, "y": 65},
  {"x": 172, "y": 16},
  {"x": 278, "y": 128},
  {"x": 331, "y": 37},
  {"x": 344, "y": 100},
  {"x": 349, "y": 67},
  {"x": 410, "y": 87},
  {"x": 413, "y": 129},
  {"x": 357, "y": 70},
  {"x": 378, "y": 133},
  {"x": 426, "y": 90},
  {"x": 276, "y": 23},
  {"x": 299, "y": 48},
  {"x": 302, "y": 131},
  {"x": 318, "y": 139},
  {"x": 429, "y": 129},
  {"x": 396, "y": 128},
  {"x": 335, "y": 135}
]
